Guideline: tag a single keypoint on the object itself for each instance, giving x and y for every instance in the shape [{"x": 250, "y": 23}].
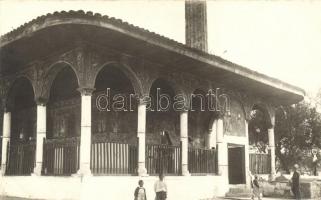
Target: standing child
[{"x": 140, "y": 192}]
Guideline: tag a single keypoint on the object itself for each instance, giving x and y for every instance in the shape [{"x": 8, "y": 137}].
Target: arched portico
[
  {"x": 200, "y": 116},
  {"x": 162, "y": 128},
  {"x": 261, "y": 140},
  {"x": 125, "y": 70},
  {"x": 58, "y": 122},
  {"x": 114, "y": 122},
  {"x": 19, "y": 128}
]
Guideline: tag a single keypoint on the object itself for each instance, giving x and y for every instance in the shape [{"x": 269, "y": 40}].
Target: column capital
[
  {"x": 143, "y": 100},
  {"x": 6, "y": 109},
  {"x": 184, "y": 111},
  {"x": 221, "y": 114},
  {"x": 86, "y": 91},
  {"x": 40, "y": 101},
  {"x": 271, "y": 129}
]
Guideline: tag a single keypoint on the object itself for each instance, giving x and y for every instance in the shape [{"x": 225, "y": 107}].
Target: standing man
[
  {"x": 296, "y": 183},
  {"x": 256, "y": 188},
  {"x": 160, "y": 188}
]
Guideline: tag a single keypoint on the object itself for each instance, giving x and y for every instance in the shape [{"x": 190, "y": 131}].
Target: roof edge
[{"x": 151, "y": 37}]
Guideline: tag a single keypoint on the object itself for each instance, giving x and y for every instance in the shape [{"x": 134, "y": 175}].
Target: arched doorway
[
  {"x": 22, "y": 145},
  {"x": 259, "y": 124},
  {"x": 61, "y": 147},
  {"x": 114, "y": 111},
  {"x": 64, "y": 105},
  {"x": 114, "y": 123},
  {"x": 260, "y": 155},
  {"x": 162, "y": 130},
  {"x": 161, "y": 117},
  {"x": 201, "y": 156},
  {"x": 199, "y": 119}
]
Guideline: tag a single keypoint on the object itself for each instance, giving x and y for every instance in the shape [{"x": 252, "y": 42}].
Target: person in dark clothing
[
  {"x": 255, "y": 188},
  {"x": 140, "y": 192},
  {"x": 296, "y": 183}
]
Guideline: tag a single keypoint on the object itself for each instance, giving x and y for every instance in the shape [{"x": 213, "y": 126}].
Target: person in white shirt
[{"x": 160, "y": 188}]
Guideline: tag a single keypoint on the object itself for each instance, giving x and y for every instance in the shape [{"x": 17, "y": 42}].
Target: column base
[
  {"x": 83, "y": 171},
  {"x": 248, "y": 178},
  {"x": 223, "y": 170},
  {"x": 142, "y": 171},
  {"x": 3, "y": 170},
  {"x": 185, "y": 171},
  {"x": 272, "y": 176},
  {"x": 37, "y": 170}
]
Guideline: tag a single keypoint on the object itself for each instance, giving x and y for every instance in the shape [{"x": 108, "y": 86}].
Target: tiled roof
[{"x": 31, "y": 26}]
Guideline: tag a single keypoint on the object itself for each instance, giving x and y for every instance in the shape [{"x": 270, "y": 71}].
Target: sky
[{"x": 281, "y": 39}]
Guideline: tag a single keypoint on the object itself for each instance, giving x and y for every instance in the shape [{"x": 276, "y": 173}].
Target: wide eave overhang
[{"x": 53, "y": 32}]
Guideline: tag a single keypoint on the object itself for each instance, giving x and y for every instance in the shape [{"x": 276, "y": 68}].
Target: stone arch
[
  {"x": 63, "y": 101},
  {"x": 126, "y": 69},
  {"x": 259, "y": 123},
  {"x": 265, "y": 110},
  {"x": 174, "y": 85},
  {"x": 21, "y": 103},
  {"x": 12, "y": 87},
  {"x": 200, "y": 120},
  {"x": 196, "y": 95},
  {"x": 162, "y": 120},
  {"x": 51, "y": 74},
  {"x": 119, "y": 121}
]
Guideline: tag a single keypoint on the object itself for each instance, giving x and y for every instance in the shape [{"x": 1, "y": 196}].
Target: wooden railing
[
  {"x": 20, "y": 158},
  {"x": 61, "y": 156},
  {"x": 202, "y": 161},
  {"x": 113, "y": 157},
  {"x": 260, "y": 163},
  {"x": 163, "y": 158}
]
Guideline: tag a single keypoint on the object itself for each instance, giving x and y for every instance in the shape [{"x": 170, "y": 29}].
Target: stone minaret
[{"x": 196, "y": 24}]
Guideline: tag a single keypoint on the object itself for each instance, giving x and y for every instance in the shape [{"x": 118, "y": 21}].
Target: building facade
[{"x": 85, "y": 100}]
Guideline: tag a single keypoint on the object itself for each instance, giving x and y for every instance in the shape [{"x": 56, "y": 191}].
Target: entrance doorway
[{"x": 236, "y": 164}]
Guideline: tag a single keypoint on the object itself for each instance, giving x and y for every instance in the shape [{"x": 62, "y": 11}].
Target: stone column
[
  {"x": 85, "y": 131},
  {"x": 41, "y": 135},
  {"x": 247, "y": 156},
  {"x": 5, "y": 139},
  {"x": 211, "y": 136},
  {"x": 141, "y": 133},
  {"x": 184, "y": 141},
  {"x": 222, "y": 149},
  {"x": 272, "y": 148}
]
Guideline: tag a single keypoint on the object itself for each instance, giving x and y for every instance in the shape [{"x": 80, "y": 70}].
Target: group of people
[
  {"x": 160, "y": 189},
  {"x": 295, "y": 185}
]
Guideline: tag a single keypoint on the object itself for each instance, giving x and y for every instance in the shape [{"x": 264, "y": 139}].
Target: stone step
[
  {"x": 239, "y": 195},
  {"x": 239, "y": 191}
]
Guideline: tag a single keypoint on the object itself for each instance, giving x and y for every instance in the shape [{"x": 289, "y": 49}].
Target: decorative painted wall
[
  {"x": 157, "y": 122},
  {"x": 24, "y": 124},
  {"x": 63, "y": 119},
  {"x": 234, "y": 122},
  {"x": 116, "y": 126},
  {"x": 198, "y": 127}
]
